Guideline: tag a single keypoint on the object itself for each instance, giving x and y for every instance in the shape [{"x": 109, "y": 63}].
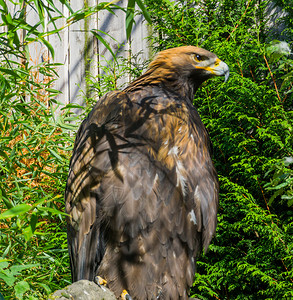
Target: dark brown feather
[{"x": 142, "y": 192}]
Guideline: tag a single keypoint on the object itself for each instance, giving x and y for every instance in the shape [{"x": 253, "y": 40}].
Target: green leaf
[
  {"x": 72, "y": 105},
  {"x": 103, "y": 41},
  {"x": 15, "y": 269},
  {"x": 8, "y": 278},
  {"x": 287, "y": 197},
  {"x": 55, "y": 154},
  {"x": 5, "y": 199},
  {"x": 53, "y": 211},
  {"x": 3, "y": 264},
  {"x": 13, "y": 73},
  {"x": 41, "y": 13},
  {"x": 49, "y": 46},
  {"x": 20, "y": 288},
  {"x": 66, "y": 3},
  {"x": 129, "y": 21},
  {"x": 67, "y": 125},
  {"x": 279, "y": 186},
  {"x": 3, "y": 4},
  {"x": 144, "y": 11},
  {"x": 169, "y": 3},
  {"x": 3, "y": 154},
  {"x": 29, "y": 230},
  {"x": 53, "y": 91},
  {"x": 45, "y": 287},
  {"x": 15, "y": 211},
  {"x": 22, "y": 108},
  {"x": 290, "y": 202}
]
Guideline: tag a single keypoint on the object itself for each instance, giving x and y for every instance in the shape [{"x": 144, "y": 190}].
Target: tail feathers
[{"x": 86, "y": 255}]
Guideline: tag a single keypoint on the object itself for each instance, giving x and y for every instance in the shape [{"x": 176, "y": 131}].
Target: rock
[{"x": 83, "y": 290}]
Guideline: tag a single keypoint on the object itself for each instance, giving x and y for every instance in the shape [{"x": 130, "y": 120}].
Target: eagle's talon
[
  {"x": 125, "y": 295},
  {"x": 101, "y": 282}
]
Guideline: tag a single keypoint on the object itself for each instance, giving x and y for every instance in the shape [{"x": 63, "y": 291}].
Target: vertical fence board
[
  {"x": 113, "y": 25},
  {"x": 38, "y": 52},
  {"x": 60, "y": 43},
  {"x": 91, "y": 47},
  {"x": 139, "y": 43},
  {"x": 76, "y": 72}
]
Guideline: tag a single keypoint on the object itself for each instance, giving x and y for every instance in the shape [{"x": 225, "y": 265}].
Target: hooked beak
[{"x": 220, "y": 69}]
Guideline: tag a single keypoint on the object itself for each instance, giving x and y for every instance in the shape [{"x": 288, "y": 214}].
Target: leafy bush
[
  {"x": 34, "y": 153},
  {"x": 113, "y": 76},
  {"x": 34, "y": 158},
  {"x": 250, "y": 121},
  {"x": 282, "y": 181}
]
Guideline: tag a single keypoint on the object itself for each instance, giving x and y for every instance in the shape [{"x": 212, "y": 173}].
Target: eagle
[{"x": 142, "y": 190}]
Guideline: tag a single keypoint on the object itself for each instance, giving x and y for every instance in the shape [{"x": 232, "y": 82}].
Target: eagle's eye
[{"x": 198, "y": 57}]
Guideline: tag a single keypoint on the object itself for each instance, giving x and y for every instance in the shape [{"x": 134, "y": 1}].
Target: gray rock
[{"x": 83, "y": 290}]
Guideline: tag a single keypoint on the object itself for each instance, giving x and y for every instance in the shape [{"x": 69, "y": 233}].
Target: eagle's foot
[
  {"x": 101, "y": 282},
  {"x": 125, "y": 295}
]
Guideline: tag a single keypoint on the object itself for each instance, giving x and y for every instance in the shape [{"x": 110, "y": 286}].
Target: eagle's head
[
  {"x": 190, "y": 62},
  {"x": 183, "y": 70}
]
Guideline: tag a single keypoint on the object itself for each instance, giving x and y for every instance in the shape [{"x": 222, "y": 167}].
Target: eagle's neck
[{"x": 185, "y": 87}]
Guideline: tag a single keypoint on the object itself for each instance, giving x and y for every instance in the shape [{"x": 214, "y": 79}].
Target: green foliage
[
  {"x": 250, "y": 122},
  {"x": 33, "y": 167},
  {"x": 18, "y": 33},
  {"x": 34, "y": 153},
  {"x": 129, "y": 21},
  {"x": 282, "y": 181},
  {"x": 113, "y": 77}
]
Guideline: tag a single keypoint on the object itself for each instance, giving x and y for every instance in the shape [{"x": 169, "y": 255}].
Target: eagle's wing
[
  {"x": 89, "y": 164},
  {"x": 141, "y": 194}
]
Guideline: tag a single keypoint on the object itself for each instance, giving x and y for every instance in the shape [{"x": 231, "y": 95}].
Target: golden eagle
[{"x": 142, "y": 191}]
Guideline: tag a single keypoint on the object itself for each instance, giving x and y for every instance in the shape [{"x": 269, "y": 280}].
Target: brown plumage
[{"x": 142, "y": 191}]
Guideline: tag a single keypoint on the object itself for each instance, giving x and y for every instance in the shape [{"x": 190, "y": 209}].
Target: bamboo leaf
[
  {"x": 22, "y": 108},
  {"x": 55, "y": 154},
  {"x": 66, "y": 3},
  {"x": 41, "y": 13},
  {"x": 15, "y": 211},
  {"x": 104, "y": 42},
  {"x": 3, "y": 197},
  {"x": 144, "y": 11},
  {"x": 3, "y": 4},
  {"x": 49, "y": 46},
  {"x": 129, "y": 21},
  {"x": 53, "y": 211}
]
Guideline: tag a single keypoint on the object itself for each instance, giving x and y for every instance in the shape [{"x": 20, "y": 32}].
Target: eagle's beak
[{"x": 220, "y": 69}]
